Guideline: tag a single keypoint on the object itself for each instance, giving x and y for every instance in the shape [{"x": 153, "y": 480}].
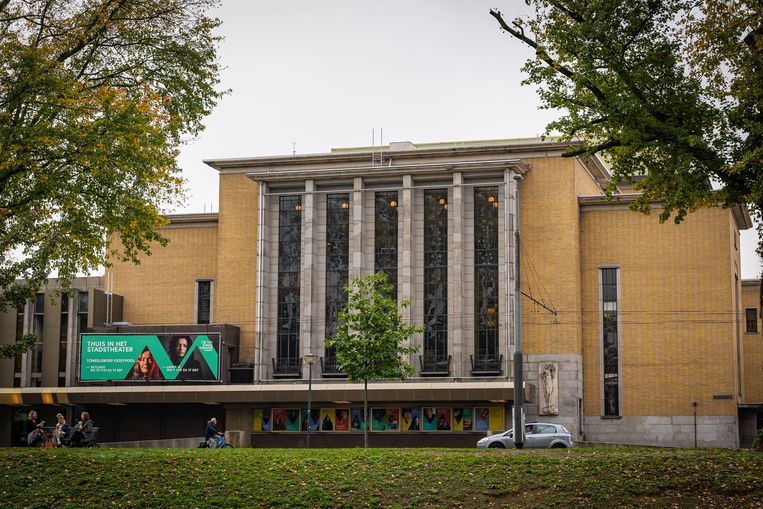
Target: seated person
[
  {"x": 83, "y": 431},
  {"x": 34, "y": 433},
  {"x": 60, "y": 431},
  {"x": 212, "y": 434}
]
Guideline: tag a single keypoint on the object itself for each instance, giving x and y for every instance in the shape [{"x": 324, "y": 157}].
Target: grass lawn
[{"x": 63, "y": 478}]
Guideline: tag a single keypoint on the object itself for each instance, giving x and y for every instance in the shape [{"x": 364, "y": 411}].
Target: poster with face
[
  {"x": 443, "y": 419},
  {"x": 266, "y": 419},
  {"x": 292, "y": 419},
  {"x": 328, "y": 419},
  {"x": 482, "y": 419},
  {"x": 356, "y": 419},
  {"x": 378, "y": 420},
  {"x": 430, "y": 419},
  {"x": 313, "y": 420},
  {"x": 392, "y": 419},
  {"x": 342, "y": 422},
  {"x": 410, "y": 419},
  {"x": 279, "y": 419},
  {"x": 463, "y": 419}
]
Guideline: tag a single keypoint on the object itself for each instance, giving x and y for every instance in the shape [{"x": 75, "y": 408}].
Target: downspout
[{"x": 519, "y": 428}]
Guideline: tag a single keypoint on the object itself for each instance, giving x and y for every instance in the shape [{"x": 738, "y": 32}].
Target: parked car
[{"x": 537, "y": 435}]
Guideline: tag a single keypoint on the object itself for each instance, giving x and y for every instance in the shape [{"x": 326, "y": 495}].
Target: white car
[{"x": 537, "y": 435}]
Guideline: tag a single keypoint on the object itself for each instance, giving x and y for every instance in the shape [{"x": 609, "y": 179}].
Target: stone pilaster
[
  {"x": 307, "y": 296},
  {"x": 456, "y": 305},
  {"x": 357, "y": 268}
]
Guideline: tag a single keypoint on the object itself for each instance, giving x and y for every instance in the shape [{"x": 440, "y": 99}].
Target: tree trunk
[{"x": 365, "y": 414}]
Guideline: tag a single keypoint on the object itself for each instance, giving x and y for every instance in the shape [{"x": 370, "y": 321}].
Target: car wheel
[
  {"x": 558, "y": 446},
  {"x": 496, "y": 445}
]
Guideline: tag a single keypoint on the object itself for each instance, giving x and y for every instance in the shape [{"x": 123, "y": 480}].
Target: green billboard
[{"x": 146, "y": 357}]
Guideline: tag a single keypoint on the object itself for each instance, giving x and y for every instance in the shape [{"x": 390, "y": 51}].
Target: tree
[
  {"x": 670, "y": 92},
  {"x": 371, "y": 336},
  {"x": 95, "y": 98}
]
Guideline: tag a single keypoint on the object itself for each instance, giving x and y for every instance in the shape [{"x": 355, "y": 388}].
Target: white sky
[{"x": 324, "y": 73}]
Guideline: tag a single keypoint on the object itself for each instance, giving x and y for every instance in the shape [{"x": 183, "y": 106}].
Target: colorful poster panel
[
  {"x": 496, "y": 418},
  {"x": 482, "y": 419},
  {"x": 266, "y": 420},
  {"x": 463, "y": 419},
  {"x": 378, "y": 420},
  {"x": 342, "y": 422},
  {"x": 328, "y": 418},
  {"x": 292, "y": 419},
  {"x": 443, "y": 419},
  {"x": 392, "y": 419},
  {"x": 257, "y": 422},
  {"x": 285, "y": 419},
  {"x": 314, "y": 419},
  {"x": 430, "y": 419},
  {"x": 411, "y": 419},
  {"x": 356, "y": 419}
]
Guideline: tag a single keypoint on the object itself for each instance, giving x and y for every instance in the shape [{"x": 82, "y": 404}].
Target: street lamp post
[{"x": 309, "y": 359}]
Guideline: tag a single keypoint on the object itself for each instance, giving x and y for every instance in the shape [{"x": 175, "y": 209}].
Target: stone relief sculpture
[{"x": 549, "y": 382}]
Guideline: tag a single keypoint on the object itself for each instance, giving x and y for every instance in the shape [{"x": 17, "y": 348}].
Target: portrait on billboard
[
  {"x": 145, "y": 368},
  {"x": 145, "y": 357}
]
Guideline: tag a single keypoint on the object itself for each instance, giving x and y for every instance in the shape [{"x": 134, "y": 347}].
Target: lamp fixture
[
  {"x": 298, "y": 207},
  {"x": 345, "y": 205},
  {"x": 495, "y": 204},
  {"x": 441, "y": 201},
  {"x": 490, "y": 199},
  {"x": 393, "y": 203}
]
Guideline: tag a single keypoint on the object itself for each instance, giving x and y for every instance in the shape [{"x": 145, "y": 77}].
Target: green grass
[{"x": 68, "y": 478}]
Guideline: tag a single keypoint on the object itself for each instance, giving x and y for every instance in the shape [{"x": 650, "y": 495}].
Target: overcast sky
[{"x": 309, "y": 75}]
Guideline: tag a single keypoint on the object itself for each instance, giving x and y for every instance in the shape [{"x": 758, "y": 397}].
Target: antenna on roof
[
  {"x": 293, "y": 148},
  {"x": 377, "y": 158}
]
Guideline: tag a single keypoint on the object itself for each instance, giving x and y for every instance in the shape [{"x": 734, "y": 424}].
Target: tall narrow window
[
  {"x": 486, "y": 274},
  {"x": 63, "y": 335},
  {"x": 38, "y": 328},
  {"x": 19, "y": 335},
  {"x": 82, "y": 311},
  {"x": 289, "y": 260},
  {"x": 385, "y": 236},
  {"x": 435, "y": 276},
  {"x": 751, "y": 319},
  {"x": 337, "y": 267},
  {"x": 203, "y": 301},
  {"x": 610, "y": 341}
]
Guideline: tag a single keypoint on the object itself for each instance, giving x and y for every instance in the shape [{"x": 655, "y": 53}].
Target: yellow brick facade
[
  {"x": 162, "y": 288},
  {"x": 678, "y": 338}
]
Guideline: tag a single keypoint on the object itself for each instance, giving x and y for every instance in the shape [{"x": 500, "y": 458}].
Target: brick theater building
[{"x": 633, "y": 331}]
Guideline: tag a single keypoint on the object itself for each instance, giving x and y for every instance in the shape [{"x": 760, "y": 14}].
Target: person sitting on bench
[{"x": 83, "y": 432}]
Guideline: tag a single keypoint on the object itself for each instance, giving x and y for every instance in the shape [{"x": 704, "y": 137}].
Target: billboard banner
[{"x": 145, "y": 357}]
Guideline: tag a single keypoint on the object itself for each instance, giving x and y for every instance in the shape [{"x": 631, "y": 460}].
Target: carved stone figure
[{"x": 549, "y": 405}]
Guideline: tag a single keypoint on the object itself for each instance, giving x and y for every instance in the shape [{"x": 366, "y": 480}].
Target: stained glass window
[
  {"x": 435, "y": 276},
  {"x": 486, "y": 273},
  {"x": 385, "y": 239},
  {"x": 610, "y": 343},
  {"x": 289, "y": 254},
  {"x": 337, "y": 266}
]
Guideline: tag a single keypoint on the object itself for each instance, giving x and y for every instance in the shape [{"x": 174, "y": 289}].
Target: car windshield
[{"x": 565, "y": 430}]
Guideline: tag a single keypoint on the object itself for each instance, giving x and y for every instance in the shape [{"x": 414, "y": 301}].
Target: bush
[{"x": 757, "y": 444}]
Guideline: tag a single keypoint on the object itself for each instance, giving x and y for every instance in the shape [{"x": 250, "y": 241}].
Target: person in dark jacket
[
  {"x": 83, "y": 431},
  {"x": 212, "y": 434},
  {"x": 34, "y": 433}
]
